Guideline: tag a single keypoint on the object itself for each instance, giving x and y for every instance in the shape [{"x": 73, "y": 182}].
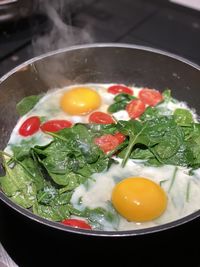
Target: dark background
[{"x": 155, "y": 23}]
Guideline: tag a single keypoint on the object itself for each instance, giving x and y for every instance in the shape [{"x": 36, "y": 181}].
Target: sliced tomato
[
  {"x": 109, "y": 142},
  {"x": 55, "y": 125},
  {"x": 106, "y": 142},
  {"x": 135, "y": 108},
  {"x": 120, "y": 137},
  {"x": 101, "y": 118},
  {"x": 30, "y": 126},
  {"x": 150, "y": 97},
  {"x": 77, "y": 223},
  {"x": 117, "y": 89}
]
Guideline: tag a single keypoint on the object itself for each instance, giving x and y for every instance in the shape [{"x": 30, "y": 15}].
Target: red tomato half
[
  {"x": 30, "y": 126},
  {"x": 135, "y": 108},
  {"x": 109, "y": 142},
  {"x": 150, "y": 97},
  {"x": 55, "y": 125},
  {"x": 117, "y": 89},
  {"x": 76, "y": 223},
  {"x": 106, "y": 142},
  {"x": 101, "y": 118},
  {"x": 120, "y": 137}
]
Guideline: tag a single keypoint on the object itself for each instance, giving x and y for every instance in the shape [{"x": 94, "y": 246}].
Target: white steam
[{"x": 61, "y": 34}]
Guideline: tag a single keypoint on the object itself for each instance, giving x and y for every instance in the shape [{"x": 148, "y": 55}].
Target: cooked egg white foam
[
  {"x": 49, "y": 108},
  {"x": 97, "y": 191}
]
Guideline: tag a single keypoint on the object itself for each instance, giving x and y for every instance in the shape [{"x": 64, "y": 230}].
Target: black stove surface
[{"x": 158, "y": 24}]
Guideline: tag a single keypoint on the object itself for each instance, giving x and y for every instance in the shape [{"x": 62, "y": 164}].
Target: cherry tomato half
[
  {"x": 109, "y": 142},
  {"x": 117, "y": 89},
  {"x": 106, "y": 142},
  {"x": 76, "y": 223},
  {"x": 30, "y": 126},
  {"x": 55, "y": 125},
  {"x": 101, "y": 118},
  {"x": 150, "y": 97},
  {"x": 120, "y": 137},
  {"x": 135, "y": 108}
]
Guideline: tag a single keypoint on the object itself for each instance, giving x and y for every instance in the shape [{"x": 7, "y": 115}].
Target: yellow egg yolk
[
  {"x": 139, "y": 199},
  {"x": 80, "y": 101}
]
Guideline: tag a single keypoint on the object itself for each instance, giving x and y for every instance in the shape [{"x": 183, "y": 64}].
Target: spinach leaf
[
  {"x": 62, "y": 199},
  {"x": 70, "y": 180},
  {"x": 49, "y": 195},
  {"x": 53, "y": 213},
  {"x": 84, "y": 141},
  {"x": 22, "y": 150},
  {"x": 56, "y": 211},
  {"x": 134, "y": 129},
  {"x": 193, "y": 145},
  {"x": 98, "y": 216},
  {"x": 169, "y": 145},
  {"x": 34, "y": 169},
  {"x": 141, "y": 152},
  {"x": 78, "y": 156},
  {"x": 120, "y": 102},
  {"x": 181, "y": 158},
  {"x": 157, "y": 140},
  {"x": 130, "y": 127},
  {"x": 158, "y": 127},
  {"x": 58, "y": 163},
  {"x": 27, "y": 103},
  {"x": 18, "y": 185},
  {"x": 183, "y": 117},
  {"x": 101, "y": 129},
  {"x": 167, "y": 97},
  {"x": 150, "y": 113}
]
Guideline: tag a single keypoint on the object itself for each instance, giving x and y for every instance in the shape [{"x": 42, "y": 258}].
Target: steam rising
[{"x": 60, "y": 34}]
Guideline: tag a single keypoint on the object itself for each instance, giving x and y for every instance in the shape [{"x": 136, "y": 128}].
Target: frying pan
[{"x": 27, "y": 236}]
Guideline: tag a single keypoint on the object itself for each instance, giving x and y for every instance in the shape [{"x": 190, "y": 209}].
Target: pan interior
[{"x": 143, "y": 67}]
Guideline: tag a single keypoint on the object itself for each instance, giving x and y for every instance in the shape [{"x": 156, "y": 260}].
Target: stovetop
[{"x": 153, "y": 23}]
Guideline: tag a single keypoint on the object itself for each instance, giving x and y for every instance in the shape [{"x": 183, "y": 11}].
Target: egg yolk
[
  {"x": 80, "y": 101},
  {"x": 139, "y": 199}
]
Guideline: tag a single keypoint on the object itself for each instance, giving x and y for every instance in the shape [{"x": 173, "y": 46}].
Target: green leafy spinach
[{"x": 27, "y": 103}]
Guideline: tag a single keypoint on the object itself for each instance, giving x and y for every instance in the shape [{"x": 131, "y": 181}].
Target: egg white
[
  {"x": 97, "y": 191},
  {"x": 49, "y": 108}
]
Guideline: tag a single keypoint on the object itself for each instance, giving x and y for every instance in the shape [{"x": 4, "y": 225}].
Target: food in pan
[{"x": 104, "y": 156}]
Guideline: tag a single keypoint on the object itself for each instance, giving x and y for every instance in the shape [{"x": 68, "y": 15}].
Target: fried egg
[
  {"x": 143, "y": 196},
  {"x": 139, "y": 209},
  {"x": 80, "y": 101},
  {"x": 75, "y": 103},
  {"x": 139, "y": 199}
]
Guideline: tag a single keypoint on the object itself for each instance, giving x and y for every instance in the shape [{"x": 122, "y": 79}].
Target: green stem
[
  {"x": 42, "y": 196},
  {"x": 162, "y": 182},
  {"x": 112, "y": 152},
  {"x": 130, "y": 146},
  {"x": 56, "y": 136},
  {"x": 188, "y": 191},
  {"x": 173, "y": 178}
]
